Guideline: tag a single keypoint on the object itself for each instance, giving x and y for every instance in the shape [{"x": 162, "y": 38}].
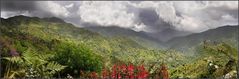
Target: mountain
[
  {"x": 94, "y": 48},
  {"x": 140, "y": 37},
  {"x": 44, "y": 35},
  {"x": 54, "y": 19},
  {"x": 227, "y": 34},
  {"x": 168, "y": 34},
  {"x": 56, "y": 29},
  {"x": 171, "y": 38}
]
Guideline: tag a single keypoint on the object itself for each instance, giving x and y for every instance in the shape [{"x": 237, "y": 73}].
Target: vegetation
[
  {"x": 31, "y": 65},
  {"x": 32, "y": 47}
]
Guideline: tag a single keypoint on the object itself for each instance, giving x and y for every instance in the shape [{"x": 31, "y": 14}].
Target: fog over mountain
[{"x": 162, "y": 20}]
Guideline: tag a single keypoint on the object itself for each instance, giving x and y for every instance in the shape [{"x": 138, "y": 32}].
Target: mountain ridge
[
  {"x": 218, "y": 34},
  {"x": 143, "y": 38},
  {"x": 140, "y": 37}
]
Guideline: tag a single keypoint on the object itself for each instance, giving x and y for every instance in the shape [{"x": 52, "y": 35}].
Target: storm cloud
[
  {"x": 147, "y": 16},
  {"x": 33, "y": 8}
]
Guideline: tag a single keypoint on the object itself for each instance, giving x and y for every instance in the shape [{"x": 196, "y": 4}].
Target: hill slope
[
  {"x": 140, "y": 37},
  {"x": 80, "y": 49},
  {"x": 31, "y": 29},
  {"x": 227, "y": 34}
]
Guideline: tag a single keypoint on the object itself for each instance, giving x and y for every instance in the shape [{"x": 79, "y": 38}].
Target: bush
[{"x": 77, "y": 58}]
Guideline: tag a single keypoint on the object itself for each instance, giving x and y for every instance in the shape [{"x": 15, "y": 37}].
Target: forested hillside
[
  {"x": 227, "y": 34},
  {"x": 33, "y": 47}
]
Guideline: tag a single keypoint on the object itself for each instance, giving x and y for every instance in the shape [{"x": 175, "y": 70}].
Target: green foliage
[
  {"x": 77, "y": 58},
  {"x": 45, "y": 45},
  {"x": 31, "y": 62},
  {"x": 213, "y": 60}
]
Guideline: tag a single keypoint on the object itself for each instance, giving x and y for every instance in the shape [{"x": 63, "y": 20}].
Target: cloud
[
  {"x": 113, "y": 13},
  {"x": 53, "y": 8},
  {"x": 148, "y": 16},
  {"x": 70, "y": 5},
  {"x": 124, "y": 14},
  {"x": 206, "y": 15},
  {"x": 151, "y": 19},
  {"x": 17, "y": 5},
  {"x": 33, "y": 8},
  {"x": 194, "y": 16}
]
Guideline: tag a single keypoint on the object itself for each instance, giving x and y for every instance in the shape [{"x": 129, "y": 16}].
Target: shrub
[{"x": 77, "y": 58}]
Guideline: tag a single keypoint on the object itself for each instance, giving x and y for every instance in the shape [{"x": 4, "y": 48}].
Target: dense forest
[{"x": 33, "y": 47}]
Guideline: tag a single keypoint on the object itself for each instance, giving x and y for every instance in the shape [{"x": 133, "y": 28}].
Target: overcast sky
[{"x": 147, "y": 16}]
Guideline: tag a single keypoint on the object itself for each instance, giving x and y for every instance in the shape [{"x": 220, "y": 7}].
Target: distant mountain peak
[
  {"x": 48, "y": 19},
  {"x": 19, "y": 16},
  {"x": 168, "y": 34},
  {"x": 54, "y": 19}
]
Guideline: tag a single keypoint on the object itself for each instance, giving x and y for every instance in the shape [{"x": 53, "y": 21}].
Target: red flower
[
  {"x": 104, "y": 73},
  {"x": 119, "y": 76},
  {"x": 124, "y": 71},
  {"x": 124, "y": 68},
  {"x": 94, "y": 75},
  {"x": 131, "y": 71},
  {"x": 119, "y": 72},
  {"x": 114, "y": 69}
]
